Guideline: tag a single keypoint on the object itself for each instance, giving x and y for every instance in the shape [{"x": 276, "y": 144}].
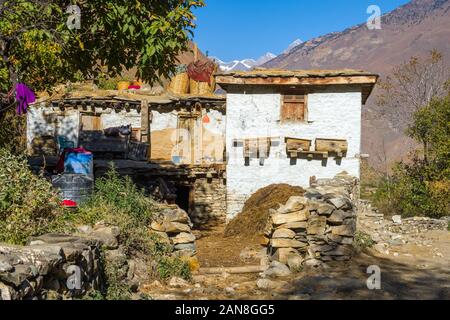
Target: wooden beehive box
[
  {"x": 296, "y": 145},
  {"x": 338, "y": 146}
]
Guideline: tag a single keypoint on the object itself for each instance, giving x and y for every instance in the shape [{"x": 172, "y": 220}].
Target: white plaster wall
[
  {"x": 43, "y": 121},
  {"x": 117, "y": 119},
  {"x": 332, "y": 113},
  {"x": 161, "y": 121}
]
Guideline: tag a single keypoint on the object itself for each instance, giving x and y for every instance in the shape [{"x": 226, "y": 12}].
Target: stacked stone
[
  {"x": 317, "y": 227},
  {"x": 174, "y": 227},
  {"x": 416, "y": 225},
  {"x": 50, "y": 263}
]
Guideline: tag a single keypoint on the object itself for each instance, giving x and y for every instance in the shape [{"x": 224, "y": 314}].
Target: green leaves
[{"x": 146, "y": 34}]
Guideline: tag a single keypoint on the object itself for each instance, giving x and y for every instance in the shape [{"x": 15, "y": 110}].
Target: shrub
[
  {"x": 421, "y": 187},
  {"x": 28, "y": 204},
  {"x": 171, "y": 266},
  {"x": 117, "y": 201},
  {"x": 363, "y": 241}
]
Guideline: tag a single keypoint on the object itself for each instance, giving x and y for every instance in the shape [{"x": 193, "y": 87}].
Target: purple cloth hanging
[{"x": 24, "y": 96}]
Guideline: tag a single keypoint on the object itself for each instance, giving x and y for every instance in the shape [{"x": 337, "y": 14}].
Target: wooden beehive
[
  {"x": 296, "y": 145},
  {"x": 338, "y": 146}
]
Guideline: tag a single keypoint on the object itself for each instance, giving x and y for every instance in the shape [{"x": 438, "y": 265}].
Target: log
[{"x": 233, "y": 270}]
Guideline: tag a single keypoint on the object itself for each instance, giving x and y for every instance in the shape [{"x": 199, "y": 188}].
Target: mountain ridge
[{"x": 413, "y": 29}]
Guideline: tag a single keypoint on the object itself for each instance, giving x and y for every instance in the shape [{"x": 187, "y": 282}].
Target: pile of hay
[{"x": 252, "y": 221}]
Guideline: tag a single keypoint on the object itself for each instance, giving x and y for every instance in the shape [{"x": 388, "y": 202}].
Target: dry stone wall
[
  {"x": 49, "y": 264},
  {"x": 390, "y": 230},
  {"x": 174, "y": 227},
  {"x": 317, "y": 227},
  {"x": 209, "y": 201}
]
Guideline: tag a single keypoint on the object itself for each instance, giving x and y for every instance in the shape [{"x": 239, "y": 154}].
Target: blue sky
[{"x": 239, "y": 29}]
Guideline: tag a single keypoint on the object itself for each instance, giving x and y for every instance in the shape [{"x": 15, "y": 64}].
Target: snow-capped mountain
[
  {"x": 294, "y": 44},
  {"x": 243, "y": 65},
  {"x": 248, "y": 64}
]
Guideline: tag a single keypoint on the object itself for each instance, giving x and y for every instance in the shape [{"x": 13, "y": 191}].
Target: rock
[
  {"x": 283, "y": 233},
  {"x": 294, "y": 204},
  {"x": 176, "y": 215},
  {"x": 163, "y": 237},
  {"x": 282, "y": 254},
  {"x": 85, "y": 229},
  {"x": 316, "y": 225},
  {"x": 325, "y": 209},
  {"x": 184, "y": 253},
  {"x": 157, "y": 226},
  {"x": 281, "y": 218},
  {"x": 183, "y": 238},
  {"x": 337, "y": 217},
  {"x": 344, "y": 230},
  {"x": 294, "y": 226},
  {"x": 185, "y": 246},
  {"x": 313, "y": 194},
  {"x": 5, "y": 266},
  {"x": 107, "y": 235},
  {"x": 397, "y": 219},
  {"x": 267, "y": 284},
  {"x": 7, "y": 293},
  {"x": 313, "y": 263},
  {"x": 177, "y": 282},
  {"x": 277, "y": 269},
  {"x": 287, "y": 243},
  {"x": 176, "y": 227},
  {"x": 295, "y": 262},
  {"x": 340, "y": 203}
]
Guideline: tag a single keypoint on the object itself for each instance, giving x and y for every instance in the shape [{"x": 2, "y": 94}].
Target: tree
[
  {"x": 422, "y": 186},
  {"x": 38, "y": 48},
  {"x": 411, "y": 86}
]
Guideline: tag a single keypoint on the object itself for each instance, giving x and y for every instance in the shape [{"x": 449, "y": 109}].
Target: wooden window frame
[{"x": 293, "y": 98}]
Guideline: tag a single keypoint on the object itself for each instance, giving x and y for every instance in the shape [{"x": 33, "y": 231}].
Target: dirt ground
[
  {"x": 216, "y": 250},
  {"x": 408, "y": 271}
]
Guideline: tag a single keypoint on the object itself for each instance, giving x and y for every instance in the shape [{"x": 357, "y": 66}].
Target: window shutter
[{"x": 293, "y": 108}]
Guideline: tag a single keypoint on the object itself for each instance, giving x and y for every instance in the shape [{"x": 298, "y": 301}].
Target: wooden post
[{"x": 146, "y": 116}]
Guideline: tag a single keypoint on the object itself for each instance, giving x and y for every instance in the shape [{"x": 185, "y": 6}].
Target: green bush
[
  {"x": 421, "y": 187},
  {"x": 117, "y": 201},
  {"x": 171, "y": 266},
  {"x": 28, "y": 204},
  {"x": 363, "y": 241}
]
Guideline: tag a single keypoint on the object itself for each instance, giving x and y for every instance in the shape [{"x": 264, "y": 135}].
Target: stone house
[
  {"x": 175, "y": 150},
  {"x": 208, "y": 153},
  {"x": 290, "y": 126}
]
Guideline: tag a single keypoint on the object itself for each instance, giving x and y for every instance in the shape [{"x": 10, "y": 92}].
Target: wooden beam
[{"x": 291, "y": 81}]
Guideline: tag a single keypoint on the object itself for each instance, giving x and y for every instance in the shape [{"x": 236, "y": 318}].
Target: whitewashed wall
[
  {"x": 42, "y": 121},
  {"x": 116, "y": 119},
  {"x": 332, "y": 113}
]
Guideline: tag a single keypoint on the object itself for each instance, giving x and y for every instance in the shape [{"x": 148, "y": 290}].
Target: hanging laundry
[{"x": 24, "y": 97}]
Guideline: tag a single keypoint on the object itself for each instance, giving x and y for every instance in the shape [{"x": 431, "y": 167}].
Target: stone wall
[
  {"x": 46, "y": 266},
  {"x": 316, "y": 228},
  {"x": 209, "y": 203},
  {"x": 173, "y": 226},
  {"x": 386, "y": 229}
]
